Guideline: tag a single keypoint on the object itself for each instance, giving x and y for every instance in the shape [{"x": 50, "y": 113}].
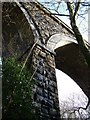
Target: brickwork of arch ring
[{"x": 59, "y": 39}]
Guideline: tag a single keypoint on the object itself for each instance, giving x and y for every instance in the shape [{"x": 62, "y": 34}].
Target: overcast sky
[{"x": 67, "y": 88}]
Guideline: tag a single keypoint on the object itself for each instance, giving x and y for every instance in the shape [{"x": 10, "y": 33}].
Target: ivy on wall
[{"x": 17, "y": 91}]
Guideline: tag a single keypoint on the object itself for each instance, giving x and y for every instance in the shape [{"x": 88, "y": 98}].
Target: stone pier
[{"x": 45, "y": 94}]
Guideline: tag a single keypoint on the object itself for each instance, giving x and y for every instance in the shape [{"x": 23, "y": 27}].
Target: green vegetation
[{"x": 16, "y": 98}]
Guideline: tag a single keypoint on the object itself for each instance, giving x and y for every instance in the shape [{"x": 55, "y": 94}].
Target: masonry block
[{"x": 45, "y": 87}]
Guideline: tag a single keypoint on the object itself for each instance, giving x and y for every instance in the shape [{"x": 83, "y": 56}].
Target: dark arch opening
[
  {"x": 70, "y": 60},
  {"x": 16, "y": 31}
]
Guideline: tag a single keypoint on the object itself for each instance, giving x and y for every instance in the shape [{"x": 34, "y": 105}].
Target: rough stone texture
[
  {"x": 47, "y": 23},
  {"x": 45, "y": 95}
]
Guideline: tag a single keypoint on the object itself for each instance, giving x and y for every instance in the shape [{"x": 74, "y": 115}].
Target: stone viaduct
[{"x": 31, "y": 31}]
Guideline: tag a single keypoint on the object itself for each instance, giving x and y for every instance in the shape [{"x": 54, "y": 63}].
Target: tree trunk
[{"x": 83, "y": 47}]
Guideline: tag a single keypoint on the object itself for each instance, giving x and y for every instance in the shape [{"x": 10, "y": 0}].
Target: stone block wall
[
  {"x": 45, "y": 94},
  {"x": 47, "y": 23}
]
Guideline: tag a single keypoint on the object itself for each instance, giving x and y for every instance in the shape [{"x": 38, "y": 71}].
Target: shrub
[{"x": 16, "y": 88}]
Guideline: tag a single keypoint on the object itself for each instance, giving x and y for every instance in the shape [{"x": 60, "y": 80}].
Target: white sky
[{"x": 67, "y": 88}]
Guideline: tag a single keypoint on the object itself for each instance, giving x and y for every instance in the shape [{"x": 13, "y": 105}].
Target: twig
[{"x": 28, "y": 56}]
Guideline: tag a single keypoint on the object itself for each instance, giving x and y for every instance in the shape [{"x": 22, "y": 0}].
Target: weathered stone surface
[
  {"x": 47, "y": 24},
  {"x": 46, "y": 86}
]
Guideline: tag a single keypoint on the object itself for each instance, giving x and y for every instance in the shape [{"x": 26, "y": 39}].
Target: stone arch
[
  {"x": 20, "y": 32},
  {"x": 70, "y": 60},
  {"x": 59, "y": 39}
]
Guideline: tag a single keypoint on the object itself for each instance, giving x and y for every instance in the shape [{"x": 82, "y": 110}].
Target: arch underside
[
  {"x": 70, "y": 60},
  {"x": 16, "y": 31}
]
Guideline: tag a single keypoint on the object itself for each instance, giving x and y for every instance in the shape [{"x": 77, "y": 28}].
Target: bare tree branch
[
  {"x": 60, "y": 14},
  {"x": 84, "y": 49},
  {"x": 77, "y": 7},
  {"x": 70, "y": 9},
  {"x": 85, "y": 3}
]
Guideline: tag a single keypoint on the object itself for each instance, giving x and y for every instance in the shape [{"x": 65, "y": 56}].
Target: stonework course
[{"x": 45, "y": 94}]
